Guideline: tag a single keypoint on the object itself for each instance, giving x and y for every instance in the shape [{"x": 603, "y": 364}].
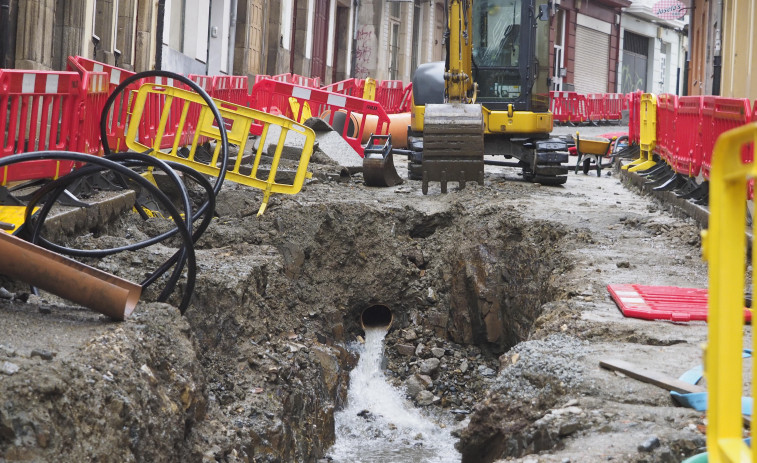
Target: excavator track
[{"x": 453, "y": 145}]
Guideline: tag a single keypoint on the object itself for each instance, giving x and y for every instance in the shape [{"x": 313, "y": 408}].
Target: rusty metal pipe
[
  {"x": 67, "y": 278},
  {"x": 376, "y": 316}
]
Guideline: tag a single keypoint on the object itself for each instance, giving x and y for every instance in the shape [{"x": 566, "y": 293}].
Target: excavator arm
[
  {"x": 459, "y": 86},
  {"x": 453, "y": 133}
]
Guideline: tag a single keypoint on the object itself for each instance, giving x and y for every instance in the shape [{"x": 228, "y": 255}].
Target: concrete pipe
[{"x": 376, "y": 316}]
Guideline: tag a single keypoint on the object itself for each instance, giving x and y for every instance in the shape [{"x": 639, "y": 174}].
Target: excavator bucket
[
  {"x": 453, "y": 145},
  {"x": 378, "y": 163}
]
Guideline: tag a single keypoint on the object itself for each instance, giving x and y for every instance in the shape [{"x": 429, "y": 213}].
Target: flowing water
[{"x": 379, "y": 425}]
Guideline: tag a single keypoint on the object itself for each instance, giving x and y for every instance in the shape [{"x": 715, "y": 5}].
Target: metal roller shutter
[{"x": 592, "y": 60}]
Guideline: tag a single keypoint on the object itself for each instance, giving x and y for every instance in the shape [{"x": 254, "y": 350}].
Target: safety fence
[
  {"x": 724, "y": 246},
  {"x": 312, "y": 82},
  {"x": 347, "y": 114},
  {"x": 392, "y": 95},
  {"x": 577, "y": 108},
  {"x": 39, "y": 113},
  {"x": 237, "y": 120},
  {"x": 687, "y": 128},
  {"x": 62, "y": 110},
  {"x": 118, "y": 116},
  {"x": 351, "y": 87}
]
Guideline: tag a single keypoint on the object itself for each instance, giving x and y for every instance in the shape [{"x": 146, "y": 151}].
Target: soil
[{"x": 500, "y": 307}]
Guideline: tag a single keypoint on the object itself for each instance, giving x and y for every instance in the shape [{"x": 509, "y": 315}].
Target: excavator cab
[{"x": 507, "y": 42}]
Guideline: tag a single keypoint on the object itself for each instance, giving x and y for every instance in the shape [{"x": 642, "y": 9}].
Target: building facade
[
  {"x": 330, "y": 39},
  {"x": 653, "y": 56},
  {"x": 586, "y": 41},
  {"x": 739, "y": 32}
]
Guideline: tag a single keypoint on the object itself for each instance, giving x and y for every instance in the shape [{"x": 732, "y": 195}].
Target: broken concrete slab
[{"x": 337, "y": 149}]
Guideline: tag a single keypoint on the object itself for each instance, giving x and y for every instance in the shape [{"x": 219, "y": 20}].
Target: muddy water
[{"x": 378, "y": 425}]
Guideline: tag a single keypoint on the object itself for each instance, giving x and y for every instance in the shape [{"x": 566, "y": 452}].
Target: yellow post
[
  {"x": 648, "y": 134},
  {"x": 369, "y": 89},
  {"x": 724, "y": 247},
  {"x": 458, "y": 79}
]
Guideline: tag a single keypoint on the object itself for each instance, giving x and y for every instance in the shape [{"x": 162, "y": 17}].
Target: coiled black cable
[
  {"x": 165, "y": 201},
  {"x": 122, "y": 164}
]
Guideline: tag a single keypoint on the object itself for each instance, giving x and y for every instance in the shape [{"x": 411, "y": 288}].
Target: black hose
[
  {"x": 182, "y": 227},
  {"x": 57, "y": 187},
  {"x": 122, "y": 165}
]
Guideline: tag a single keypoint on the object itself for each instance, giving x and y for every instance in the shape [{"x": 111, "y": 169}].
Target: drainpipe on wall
[
  {"x": 5, "y": 25},
  {"x": 353, "y": 58},
  {"x": 159, "y": 35},
  {"x": 293, "y": 38},
  {"x": 232, "y": 38},
  {"x": 687, "y": 64}
]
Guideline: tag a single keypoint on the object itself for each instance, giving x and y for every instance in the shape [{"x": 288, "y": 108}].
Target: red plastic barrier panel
[
  {"x": 116, "y": 132},
  {"x": 595, "y": 104},
  {"x": 663, "y": 302},
  {"x": 95, "y": 88},
  {"x": 260, "y": 77},
  {"x": 750, "y": 183},
  {"x": 406, "y": 105},
  {"x": 559, "y": 106},
  {"x": 270, "y": 93},
  {"x": 118, "y": 116},
  {"x": 234, "y": 89},
  {"x": 312, "y": 82},
  {"x": 634, "y": 117},
  {"x": 578, "y": 109},
  {"x": 38, "y": 114},
  {"x": 569, "y": 107},
  {"x": 667, "y": 106},
  {"x": 204, "y": 82},
  {"x": 389, "y": 94},
  {"x": 721, "y": 115},
  {"x": 688, "y": 156},
  {"x": 227, "y": 88},
  {"x": 352, "y": 87},
  {"x": 614, "y": 105}
]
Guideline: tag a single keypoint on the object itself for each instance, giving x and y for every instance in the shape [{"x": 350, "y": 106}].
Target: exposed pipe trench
[{"x": 376, "y": 316}]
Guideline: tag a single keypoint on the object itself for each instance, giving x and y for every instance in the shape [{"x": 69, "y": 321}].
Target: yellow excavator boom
[{"x": 459, "y": 85}]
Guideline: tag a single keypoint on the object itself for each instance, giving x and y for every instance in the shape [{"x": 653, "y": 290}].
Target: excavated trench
[
  {"x": 275, "y": 313},
  {"x": 280, "y": 298}
]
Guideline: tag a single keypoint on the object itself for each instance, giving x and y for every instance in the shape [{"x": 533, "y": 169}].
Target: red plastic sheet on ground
[{"x": 663, "y": 302}]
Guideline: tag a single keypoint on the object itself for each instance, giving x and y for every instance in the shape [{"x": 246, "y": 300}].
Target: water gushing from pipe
[{"x": 378, "y": 425}]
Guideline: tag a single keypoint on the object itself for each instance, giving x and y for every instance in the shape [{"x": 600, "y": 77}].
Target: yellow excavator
[{"x": 489, "y": 97}]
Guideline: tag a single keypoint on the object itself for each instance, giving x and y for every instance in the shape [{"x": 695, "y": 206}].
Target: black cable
[
  {"x": 161, "y": 197},
  {"x": 121, "y": 164}
]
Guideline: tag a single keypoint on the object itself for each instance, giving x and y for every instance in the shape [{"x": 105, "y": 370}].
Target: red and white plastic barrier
[
  {"x": 268, "y": 94},
  {"x": 38, "y": 113}
]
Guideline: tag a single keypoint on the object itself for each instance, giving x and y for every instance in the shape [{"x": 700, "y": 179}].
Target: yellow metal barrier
[
  {"x": 237, "y": 120},
  {"x": 724, "y": 247},
  {"x": 648, "y": 134},
  {"x": 12, "y": 217}
]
